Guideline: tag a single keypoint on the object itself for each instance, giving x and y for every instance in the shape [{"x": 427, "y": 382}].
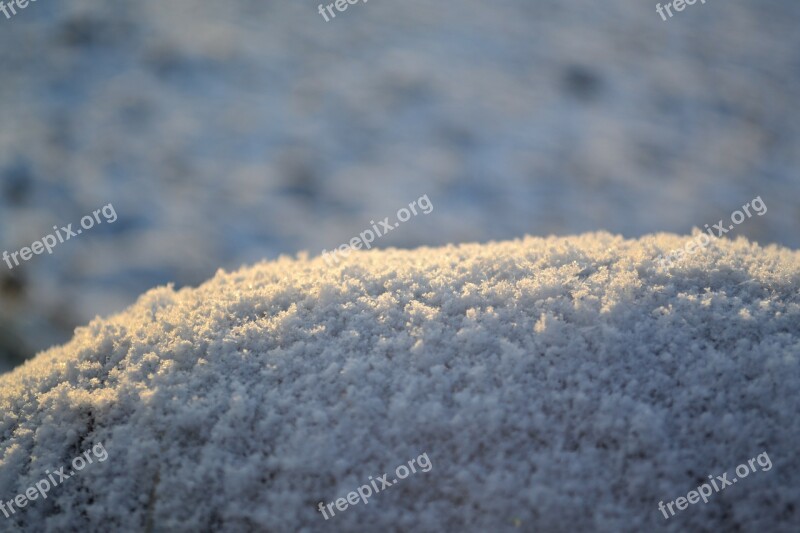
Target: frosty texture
[{"x": 561, "y": 384}]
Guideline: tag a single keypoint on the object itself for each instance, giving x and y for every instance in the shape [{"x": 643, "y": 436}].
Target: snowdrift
[{"x": 559, "y": 384}]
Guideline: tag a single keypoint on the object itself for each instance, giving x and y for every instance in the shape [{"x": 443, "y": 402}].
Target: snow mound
[{"x": 559, "y": 384}]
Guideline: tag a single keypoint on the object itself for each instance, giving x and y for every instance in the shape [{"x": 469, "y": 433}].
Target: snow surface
[
  {"x": 229, "y": 132},
  {"x": 560, "y": 384}
]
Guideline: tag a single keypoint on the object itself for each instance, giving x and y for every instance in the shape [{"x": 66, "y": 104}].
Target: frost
[{"x": 557, "y": 384}]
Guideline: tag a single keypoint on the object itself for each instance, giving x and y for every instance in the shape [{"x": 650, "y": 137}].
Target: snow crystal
[{"x": 559, "y": 384}]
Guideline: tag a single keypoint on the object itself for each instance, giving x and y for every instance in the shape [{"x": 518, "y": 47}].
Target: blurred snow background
[{"x": 228, "y": 132}]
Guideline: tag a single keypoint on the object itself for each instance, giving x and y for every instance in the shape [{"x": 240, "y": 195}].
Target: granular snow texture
[
  {"x": 560, "y": 384},
  {"x": 225, "y": 132}
]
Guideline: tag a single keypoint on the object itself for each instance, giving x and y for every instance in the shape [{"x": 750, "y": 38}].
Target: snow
[
  {"x": 557, "y": 384},
  {"x": 229, "y": 132}
]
